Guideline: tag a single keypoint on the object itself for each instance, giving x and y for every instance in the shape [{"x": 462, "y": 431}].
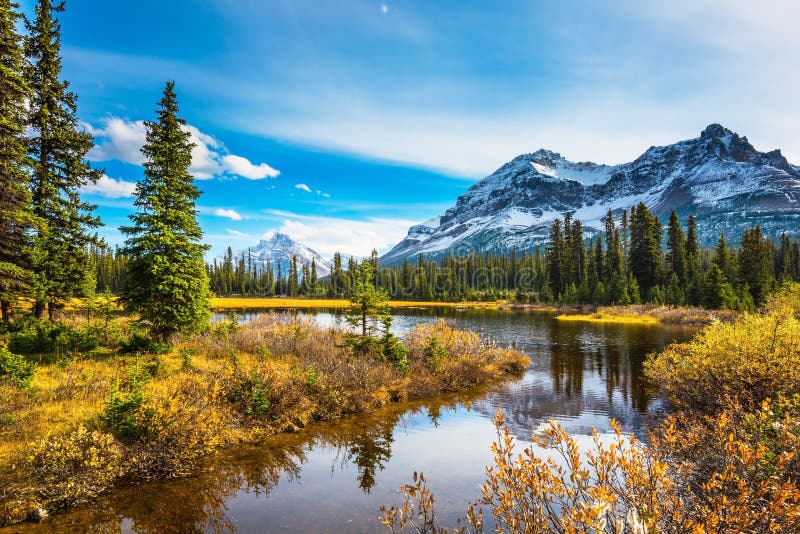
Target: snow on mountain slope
[
  {"x": 278, "y": 251},
  {"x": 718, "y": 176}
]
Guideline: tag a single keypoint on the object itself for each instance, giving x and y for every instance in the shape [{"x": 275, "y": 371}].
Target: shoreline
[
  {"x": 214, "y": 392},
  {"x": 649, "y": 315},
  {"x": 644, "y": 314}
]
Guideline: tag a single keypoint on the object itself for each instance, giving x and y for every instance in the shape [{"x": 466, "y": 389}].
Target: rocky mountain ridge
[{"x": 719, "y": 177}]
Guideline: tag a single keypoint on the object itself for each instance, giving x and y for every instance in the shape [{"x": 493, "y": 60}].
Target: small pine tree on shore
[{"x": 167, "y": 284}]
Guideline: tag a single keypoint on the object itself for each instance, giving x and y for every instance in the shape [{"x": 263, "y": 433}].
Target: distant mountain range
[
  {"x": 278, "y": 251},
  {"x": 719, "y": 177}
]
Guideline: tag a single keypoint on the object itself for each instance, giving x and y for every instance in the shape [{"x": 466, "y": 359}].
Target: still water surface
[{"x": 333, "y": 477}]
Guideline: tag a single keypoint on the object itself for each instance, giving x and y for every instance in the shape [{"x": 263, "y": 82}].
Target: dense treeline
[{"x": 636, "y": 259}]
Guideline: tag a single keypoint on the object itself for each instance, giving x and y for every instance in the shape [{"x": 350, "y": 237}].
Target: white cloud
[
  {"x": 110, "y": 188},
  {"x": 122, "y": 140},
  {"x": 230, "y": 214},
  {"x": 327, "y": 235},
  {"x": 384, "y": 9},
  {"x": 242, "y": 167},
  {"x": 307, "y": 189},
  {"x": 237, "y": 234},
  {"x": 118, "y": 139},
  {"x": 205, "y": 154}
]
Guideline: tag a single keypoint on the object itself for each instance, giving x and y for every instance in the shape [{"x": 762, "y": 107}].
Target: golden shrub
[
  {"x": 75, "y": 468},
  {"x": 747, "y": 362},
  {"x": 622, "y": 486}
]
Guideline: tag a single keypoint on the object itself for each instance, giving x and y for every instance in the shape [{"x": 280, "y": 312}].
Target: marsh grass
[
  {"x": 648, "y": 314},
  {"x": 244, "y": 303},
  {"x": 87, "y": 423}
]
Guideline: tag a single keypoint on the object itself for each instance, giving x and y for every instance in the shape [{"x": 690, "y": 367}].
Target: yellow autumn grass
[
  {"x": 605, "y": 318},
  {"x": 647, "y": 314},
  {"x": 243, "y": 303},
  {"x": 232, "y": 384}
]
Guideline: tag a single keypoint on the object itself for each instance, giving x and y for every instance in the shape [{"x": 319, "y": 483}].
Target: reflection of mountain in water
[{"x": 583, "y": 376}]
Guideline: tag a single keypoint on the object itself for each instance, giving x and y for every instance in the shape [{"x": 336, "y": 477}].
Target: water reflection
[
  {"x": 245, "y": 478},
  {"x": 333, "y": 477}
]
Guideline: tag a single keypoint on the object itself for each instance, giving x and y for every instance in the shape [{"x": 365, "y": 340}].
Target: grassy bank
[
  {"x": 85, "y": 420},
  {"x": 649, "y": 314},
  {"x": 244, "y": 303}
]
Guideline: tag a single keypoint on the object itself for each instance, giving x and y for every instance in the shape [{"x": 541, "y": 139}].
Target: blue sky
[{"x": 342, "y": 123}]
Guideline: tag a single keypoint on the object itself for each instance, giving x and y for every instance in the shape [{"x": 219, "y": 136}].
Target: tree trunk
[
  {"x": 38, "y": 309},
  {"x": 52, "y": 311},
  {"x": 5, "y": 310},
  {"x": 364, "y": 322}
]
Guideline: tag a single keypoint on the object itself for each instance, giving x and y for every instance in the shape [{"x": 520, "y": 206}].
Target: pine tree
[
  {"x": 293, "y": 286},
  {"x": 676, "y": 250},
  {"x": 613, "y": 253},
  {"x": 716, "y": 290},
  {"x": 17, "y": 220},
  {"x": 57, "y": 149},
  {"x": 555, "y": 259},
  {"x": 645, "y": 248},
  {"x": 755, "y": 263},
  {"x": 313, "y": 282},
  {"x": 693, "y": 279},
  {"x": 167, "y": 284},
  {"x": 724, "y": 259},
  {"x": 368, "y": 305}
]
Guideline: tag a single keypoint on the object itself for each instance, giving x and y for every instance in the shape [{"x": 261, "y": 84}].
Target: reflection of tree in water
[
  {"x": 366, "y": 441},
  {"x": 566, "y": 361},
  {"x": 200, "y": 503},
  {"x": 196, "y": 504},
  {"x": 585, "y": 374},
  {"x": 369, "y": 451}
]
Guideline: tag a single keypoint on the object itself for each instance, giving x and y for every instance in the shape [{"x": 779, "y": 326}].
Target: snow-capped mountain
[
  {"x": 719, "y": 177},
  {"x": 278, "y": 250}
]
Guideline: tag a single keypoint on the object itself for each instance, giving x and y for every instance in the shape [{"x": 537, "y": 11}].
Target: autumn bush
[
  {"x": 745, "y": 363},
  {"x": 146, "y": 414},
  {"x": 458, "y": 358},
  {"x": 725, "y": 460},
  {"x": 621, "y": 485},
  {"x": 75, "y": 468}
]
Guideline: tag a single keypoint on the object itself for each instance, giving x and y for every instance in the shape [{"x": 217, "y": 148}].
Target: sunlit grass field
[
  {"x": 240, "y": 303},
  {"x": 605, "y": 318}
]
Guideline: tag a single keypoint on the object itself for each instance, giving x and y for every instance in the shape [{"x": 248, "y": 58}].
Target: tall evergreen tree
[
  {"x": 676, "y": 249},
  {"x": 755, "y": 263},
  {"x": 293, "y": 282},
  {"x": 555, "y": 259},
  {"x": 17, "y": 220},
  {"x": 57, "y": 149},
  {"x": 693, "y": 279},
  {"x": 724, "y": 259},
  {"x": 613, "y": 248},
  {"x": 167, "y": 284},
  {"x": 645, "y": 248}
]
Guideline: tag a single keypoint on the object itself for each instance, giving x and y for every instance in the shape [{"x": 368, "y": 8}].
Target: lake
[{"x": 333, "y": 477}]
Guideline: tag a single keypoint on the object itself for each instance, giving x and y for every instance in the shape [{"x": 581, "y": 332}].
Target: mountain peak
[
  {"x": 715, "y": 131},
  {"x": 720, "y": 177},
  {"x": 279, "y": 249}
]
